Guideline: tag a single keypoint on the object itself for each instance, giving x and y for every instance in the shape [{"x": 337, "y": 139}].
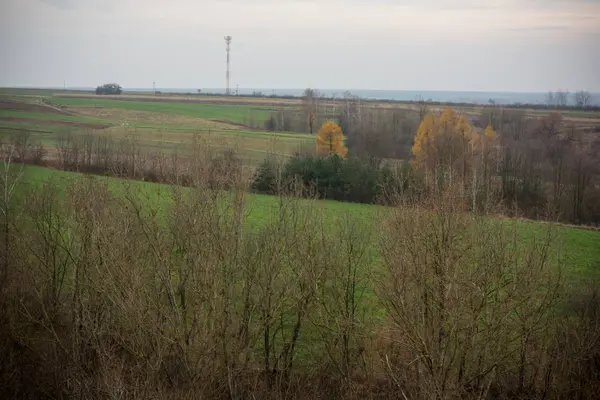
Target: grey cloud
[
  {"x": 62, "y": 4},
  {"x": 79, "y": 4},
  {"x": 434, "y": 4},
  {"x": 566, "y": 4},
  {"x": 545, "y": 28},
  {"x": 456, "y": 4}
]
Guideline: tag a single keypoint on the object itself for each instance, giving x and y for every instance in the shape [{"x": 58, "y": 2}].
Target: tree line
[
  {"x": 316, "y": 108},
  {"x": 536, "y": 166},
  {"x": 560, "y": 98}
]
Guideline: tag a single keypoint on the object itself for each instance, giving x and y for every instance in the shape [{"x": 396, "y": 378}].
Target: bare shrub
[
  {"x": 576, "y": 346},
  {"x": 342, "y": 317},
  {"x": 67, "y": 148},
  {"x": 468, "y": 301},
  {"x": 39, "y": 155},
  {"x": 104, "y": 153},
  {"x": 10, "y": 175},
  {"x": 21, "y": 142}
]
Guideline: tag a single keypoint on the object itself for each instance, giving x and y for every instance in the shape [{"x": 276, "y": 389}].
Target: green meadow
[{"x": 579, "y": 248}]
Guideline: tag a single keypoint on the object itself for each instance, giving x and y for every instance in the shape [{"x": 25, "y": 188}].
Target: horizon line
[{"x": 301, "y": 88}]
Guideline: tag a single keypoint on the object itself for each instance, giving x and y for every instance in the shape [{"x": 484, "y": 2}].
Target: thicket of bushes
[
  {"x": 352, "y": 180},
  {"x": 109, "y": 88},
  {"x": 111, "y": 293}
]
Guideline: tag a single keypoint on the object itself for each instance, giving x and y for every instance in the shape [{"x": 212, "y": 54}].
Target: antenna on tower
[{"x": 228, "y": 48}]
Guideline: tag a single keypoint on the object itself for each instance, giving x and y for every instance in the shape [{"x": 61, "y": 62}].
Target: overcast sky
[{"x": 495, "y": 45}]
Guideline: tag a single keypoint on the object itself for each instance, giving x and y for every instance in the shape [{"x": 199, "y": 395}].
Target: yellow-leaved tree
[
  {"x": 444, "y": 147},
  {"x": 422, "y": 147},
  {"x": 330, "y": 140},
  {"x": 485, "y": 146},
  {"x": 489, "y": 132},
  {"x": 445, "y": 141},
  {"x": 450, "y": 152}
]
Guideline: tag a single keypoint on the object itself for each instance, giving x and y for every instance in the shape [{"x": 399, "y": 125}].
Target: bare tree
[
  {"x": 310, "y": 105},
  {"x": 562, "y": 97},
  {"x": 582, "y": 98},
  {"x": 550, "y": 100}
]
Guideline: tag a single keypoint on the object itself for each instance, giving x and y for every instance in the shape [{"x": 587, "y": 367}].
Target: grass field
[
  {"x": 157, "y": 125},
  {"x": 580, "y": 248},
  {"x": 223, "y": 113}
]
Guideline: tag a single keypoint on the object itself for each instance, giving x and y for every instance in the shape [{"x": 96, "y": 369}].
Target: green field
[
  {"x": 226, "y": 113},
  {"x": 579, "y": 248},
  {"x": 158, "y": 125}
]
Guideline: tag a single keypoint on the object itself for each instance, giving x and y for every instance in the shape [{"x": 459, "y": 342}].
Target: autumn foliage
[
  {"x": 443, "y": 141},
  {"x": 448, "y": 150},
  {"x": 330, "y": 140}
]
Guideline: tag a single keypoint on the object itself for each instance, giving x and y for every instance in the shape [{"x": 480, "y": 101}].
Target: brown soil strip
[
  {"x": 30, "y": 107},
  {"x": 87, "y": 125},
  {"x": 236, "y": 125},
  {"x": 183, "y": 99},
  {"x": 9, "y": 130}
]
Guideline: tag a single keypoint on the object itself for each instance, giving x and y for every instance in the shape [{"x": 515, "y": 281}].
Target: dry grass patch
[{"x": 133, "y": 116}]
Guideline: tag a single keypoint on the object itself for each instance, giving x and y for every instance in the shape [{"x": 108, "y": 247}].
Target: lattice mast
[{"x": 227, "y": 75}]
